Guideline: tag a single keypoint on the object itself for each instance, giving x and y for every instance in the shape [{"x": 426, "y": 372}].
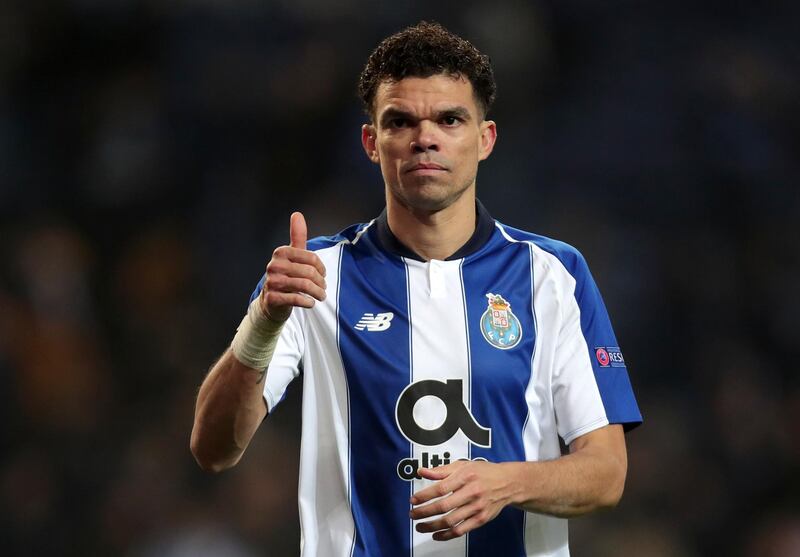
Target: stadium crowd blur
[{"x": 150, "y": 156}]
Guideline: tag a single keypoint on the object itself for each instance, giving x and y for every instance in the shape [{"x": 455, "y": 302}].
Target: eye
[
  {"x": 398, "y": 123},
  {"x": 451, "y": 121}
]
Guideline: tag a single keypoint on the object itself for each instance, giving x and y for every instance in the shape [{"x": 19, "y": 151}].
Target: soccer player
[{"x": 444, "y": 354}]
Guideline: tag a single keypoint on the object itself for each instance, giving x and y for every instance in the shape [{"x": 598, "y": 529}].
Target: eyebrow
[{"x": 455, "y": 111}]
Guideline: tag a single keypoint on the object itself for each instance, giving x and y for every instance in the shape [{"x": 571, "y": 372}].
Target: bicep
[
  {"x": 604, "y": 463},
  {"x": 607, "y": 441}
]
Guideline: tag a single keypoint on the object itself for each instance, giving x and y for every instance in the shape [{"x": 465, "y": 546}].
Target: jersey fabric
[{"x": 494, "y": 354}]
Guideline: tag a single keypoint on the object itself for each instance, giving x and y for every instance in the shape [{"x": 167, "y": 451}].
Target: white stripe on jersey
[
  {"x": 324, "y": 488},
  {"x": 438, "y": 352},
  {"x": 547, "y": 535}
]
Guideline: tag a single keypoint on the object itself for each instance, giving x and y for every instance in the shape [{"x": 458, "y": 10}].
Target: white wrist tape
[{"x": 256, "y": 337}]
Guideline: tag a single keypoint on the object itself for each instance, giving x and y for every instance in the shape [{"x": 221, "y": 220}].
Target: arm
[
  {"x": 229, "y": 408},
  {"x": 591, "y": 477},
  {"x": 230, "y": 403}
]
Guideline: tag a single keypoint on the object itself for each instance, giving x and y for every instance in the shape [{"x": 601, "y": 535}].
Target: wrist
[
  {"x": 256, "y": 337},
  {"x": 261, "y": 318},
  {"x": 520, "y": 475}
]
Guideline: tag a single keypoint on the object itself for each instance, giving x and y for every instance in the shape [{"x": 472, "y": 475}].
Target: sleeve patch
[{"x": 609, "y": 356}]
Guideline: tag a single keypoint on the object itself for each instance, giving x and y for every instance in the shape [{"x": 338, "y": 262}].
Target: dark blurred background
[{"x": 150, "y": 156}]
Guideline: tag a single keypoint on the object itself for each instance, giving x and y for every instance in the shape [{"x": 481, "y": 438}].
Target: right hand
[{"x": 295, "y": 276}]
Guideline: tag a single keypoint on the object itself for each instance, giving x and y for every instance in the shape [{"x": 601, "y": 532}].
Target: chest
[{"x": 402, "y": 321}]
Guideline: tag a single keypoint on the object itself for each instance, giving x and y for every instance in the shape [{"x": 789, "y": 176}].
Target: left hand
[{"x": 472, "y": 493}]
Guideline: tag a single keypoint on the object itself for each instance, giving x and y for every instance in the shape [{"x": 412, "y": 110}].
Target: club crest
[{"x": 499, "y": 326}]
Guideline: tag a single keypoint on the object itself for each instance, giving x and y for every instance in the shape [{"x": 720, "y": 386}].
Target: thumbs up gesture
[{"x": 295, "y": 276}]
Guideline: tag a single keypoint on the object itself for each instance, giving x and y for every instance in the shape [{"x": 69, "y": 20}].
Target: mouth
[{"x": 425, "y": 168}]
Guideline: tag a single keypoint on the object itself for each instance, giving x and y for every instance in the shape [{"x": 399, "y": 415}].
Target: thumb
[
  {"x": 298, "y": 231},
  {"x": 437, "y": 473}
]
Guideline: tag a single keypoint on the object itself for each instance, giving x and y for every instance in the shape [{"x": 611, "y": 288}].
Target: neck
[{"x": 433, "y": 234}]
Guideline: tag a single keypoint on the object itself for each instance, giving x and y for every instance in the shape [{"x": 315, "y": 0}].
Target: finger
[
  {"x": 459, "y": 530},
  {"x": 449, "y": 520},
  {"x": 441, "y": 506},
  {"x": 298, "y": 231},
  {"x": 435, "y": 491},
  {"x": 288, "y": 300},
  {"x": 285, "y": 267},
  {"x": 287, "y": 284},
  {"x": 439, "y": 489},
  {"x": 299, "y": 256},
  {"x": 438, "y": 473}
]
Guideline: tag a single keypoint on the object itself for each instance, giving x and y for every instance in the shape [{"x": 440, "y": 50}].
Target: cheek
[
  {"x": 388, "y": 162},
  {"x": 390, "y": 154},
  {"x": 466, "y": 144},
  {"x": 468, "y": 151}
]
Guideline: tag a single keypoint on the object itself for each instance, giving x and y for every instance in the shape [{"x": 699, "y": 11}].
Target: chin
[
  {"x": 427, "y": 193},
  {"x": 433, "y": 202}
]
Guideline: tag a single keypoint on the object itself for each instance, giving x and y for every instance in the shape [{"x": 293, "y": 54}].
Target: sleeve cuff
[{"x": 591, "y": 426}]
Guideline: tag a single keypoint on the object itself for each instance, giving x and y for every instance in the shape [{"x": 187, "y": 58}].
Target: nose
[{"x": 425, "y": 138}]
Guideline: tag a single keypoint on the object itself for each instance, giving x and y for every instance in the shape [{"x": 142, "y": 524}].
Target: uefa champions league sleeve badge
[{"x": 499, "y": 326}]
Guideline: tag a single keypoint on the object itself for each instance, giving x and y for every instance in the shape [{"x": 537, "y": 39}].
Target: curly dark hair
[{"x": 424, "y": 50}]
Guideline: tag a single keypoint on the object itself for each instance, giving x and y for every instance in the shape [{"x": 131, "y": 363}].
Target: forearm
[
  {"x": 230, "y": 404},
  {"x": 229, "y": 408},
  {"x": 575, "y": 484}
]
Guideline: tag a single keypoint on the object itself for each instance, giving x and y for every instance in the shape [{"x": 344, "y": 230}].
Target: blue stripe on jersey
[
  {"x": 500, "y": 377},
  {"x": 613, "y": 382},
  {"x": 377, "y": 364}
]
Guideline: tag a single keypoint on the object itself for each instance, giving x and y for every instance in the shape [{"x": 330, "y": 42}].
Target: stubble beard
[{"x": 430, "y": 195}]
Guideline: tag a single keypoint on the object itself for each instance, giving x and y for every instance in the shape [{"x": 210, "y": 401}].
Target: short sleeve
[
  {"x": 587, "y": 339},
  {"x": 576, "y": 397},
  {"x": 285, "y": 363}
]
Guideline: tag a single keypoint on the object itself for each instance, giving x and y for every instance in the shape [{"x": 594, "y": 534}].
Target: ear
[
  {"x": 487, "y": 139},
  {"x": 368, "y": 139}
]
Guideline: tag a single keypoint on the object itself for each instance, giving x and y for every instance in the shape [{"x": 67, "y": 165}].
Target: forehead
[{"x": 420, "y": 94}]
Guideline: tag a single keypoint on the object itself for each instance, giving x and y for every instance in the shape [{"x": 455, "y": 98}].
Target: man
[{"x": 444, "y": 354}]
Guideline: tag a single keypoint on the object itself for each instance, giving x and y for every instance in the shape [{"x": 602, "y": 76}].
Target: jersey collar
[{"x": 484, "y": 227}]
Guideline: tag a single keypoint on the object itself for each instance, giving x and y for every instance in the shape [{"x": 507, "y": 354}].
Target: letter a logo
[{"x": 458, "y": 416}]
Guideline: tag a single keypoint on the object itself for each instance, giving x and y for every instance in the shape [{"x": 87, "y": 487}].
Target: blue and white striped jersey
[{"x": 493, "y": 354}]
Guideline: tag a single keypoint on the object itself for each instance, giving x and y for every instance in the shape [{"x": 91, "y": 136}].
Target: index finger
[
  {"x": 439, "y": 489},
  {"x": 305, "y": 257}
]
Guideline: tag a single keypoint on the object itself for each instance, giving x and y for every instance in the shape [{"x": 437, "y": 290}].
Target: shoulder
[
  {"x": 329, "y": 248},
  {"x": 346, "y": 236},
  {"x": 554, "y": 252}
]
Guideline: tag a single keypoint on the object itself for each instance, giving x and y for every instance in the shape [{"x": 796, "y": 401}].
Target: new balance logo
[{"x": 374, "y": 323}]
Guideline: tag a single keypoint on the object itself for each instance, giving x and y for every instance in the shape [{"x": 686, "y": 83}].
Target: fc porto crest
[{"x": 499, "y": 326}]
